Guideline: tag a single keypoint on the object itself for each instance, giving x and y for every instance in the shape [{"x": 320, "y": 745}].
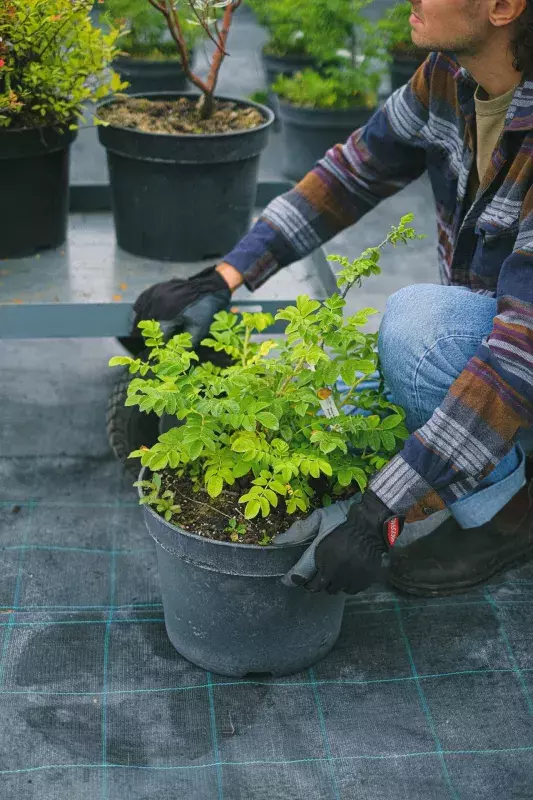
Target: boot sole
[{"x": 459, "y": 588}]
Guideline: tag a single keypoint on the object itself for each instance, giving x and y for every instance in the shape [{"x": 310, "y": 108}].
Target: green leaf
[
  {"x": 344, "y": 476},
  {"x": 195, "y": 449},
  {"x": 252, "y": 509},
  {"x": 265, "y": 506},
  {"x": 214, "y": 486},
  {"x": 389, "y": 442},
  {"x": 391, "y": 422},
  {"x": 120, "y": 361},
  {"x": 268, "y": 420}
]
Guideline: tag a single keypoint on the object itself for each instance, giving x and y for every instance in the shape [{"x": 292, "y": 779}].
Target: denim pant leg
[{"x": 428, "y": 334}]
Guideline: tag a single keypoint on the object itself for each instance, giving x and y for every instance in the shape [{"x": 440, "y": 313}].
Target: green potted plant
[
  {"x": 149, "y": 60},
  {"x": 318, "y": 111},
  {"x": 394, "y": 35},
  {"x": 249, "y": 453},
  {"x": 183, "y": 166},
  {"x": 304, "y": 35},
  {"x": 52, "y": 61}
]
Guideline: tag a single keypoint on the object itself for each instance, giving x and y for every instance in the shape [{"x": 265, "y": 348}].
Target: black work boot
[{"x": 451, "y": 559}]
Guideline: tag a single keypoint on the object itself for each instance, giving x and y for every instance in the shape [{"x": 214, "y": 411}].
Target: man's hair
[{"x": 522, "y": 44}]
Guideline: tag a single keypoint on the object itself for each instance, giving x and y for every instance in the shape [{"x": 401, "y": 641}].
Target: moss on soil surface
[{"x": 179, "y": 116}]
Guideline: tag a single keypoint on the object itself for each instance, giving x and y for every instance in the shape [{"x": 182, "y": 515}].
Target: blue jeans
[{"x": 427, "y": 335}]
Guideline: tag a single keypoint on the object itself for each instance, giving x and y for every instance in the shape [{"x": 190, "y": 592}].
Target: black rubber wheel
[{"x": 127, "y": 427}]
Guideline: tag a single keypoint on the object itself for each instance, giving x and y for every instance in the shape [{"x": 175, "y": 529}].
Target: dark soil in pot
[
  {"x": 182, "y": 188},
  {"x": 227, "y": 611},
  {"x": 308, "y": 133},
  {"x": 34, "y": 164},
  {"x": 180, "y": 116}
]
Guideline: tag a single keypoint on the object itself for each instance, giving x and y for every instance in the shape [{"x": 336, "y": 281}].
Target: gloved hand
[
  {"x": 350, "y": 542},
  {"x": 180, "y": 306}
]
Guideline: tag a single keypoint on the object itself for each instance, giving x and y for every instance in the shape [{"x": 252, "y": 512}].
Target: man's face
[{"x": 458, "y": 26}]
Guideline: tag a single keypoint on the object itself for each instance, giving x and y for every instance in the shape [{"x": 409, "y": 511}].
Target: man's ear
[{"x": 505, "y": 12}]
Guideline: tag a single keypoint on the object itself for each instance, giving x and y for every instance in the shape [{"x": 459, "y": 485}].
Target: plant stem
[
  {"x": 207, "y": 505},
  {"x": 245, "y": 345}
]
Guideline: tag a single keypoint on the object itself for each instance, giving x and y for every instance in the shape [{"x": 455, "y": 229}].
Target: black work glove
[
  {"x": 180, "y": 306},
  {"x": 349, "y": 544}
]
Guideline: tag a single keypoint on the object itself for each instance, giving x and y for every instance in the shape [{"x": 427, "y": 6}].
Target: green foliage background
[{"x": 52, "y": 60}]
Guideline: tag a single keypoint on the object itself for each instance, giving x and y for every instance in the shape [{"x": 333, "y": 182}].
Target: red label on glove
[{"x": 393, "y": 530}]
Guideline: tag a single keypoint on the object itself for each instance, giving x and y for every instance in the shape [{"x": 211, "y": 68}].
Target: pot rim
[
  {"x": 325, "y": 111},
  {"x": 265, "y": 110},
  {"x": 197, "y": 537},
  {"x": 38, "y": 128}
]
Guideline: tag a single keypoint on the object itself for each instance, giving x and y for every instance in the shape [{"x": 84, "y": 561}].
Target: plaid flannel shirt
[{"x": 429, "y": 124}]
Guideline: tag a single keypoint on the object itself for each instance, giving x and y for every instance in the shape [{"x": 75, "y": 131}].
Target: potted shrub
[
  {"x": 304, "y": 35},
  {"x": 318, "y": 111},
  {"x": 394, "y": 34},
  {"x": 149, "y": 60},
  {"x": 183, "y": 166},
  {"x": 52, "y": 61},
  {"x": 250, "y": 451}
]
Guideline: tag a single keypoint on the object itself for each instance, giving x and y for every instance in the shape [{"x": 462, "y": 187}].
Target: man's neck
[{"x": 492, "y": 70}]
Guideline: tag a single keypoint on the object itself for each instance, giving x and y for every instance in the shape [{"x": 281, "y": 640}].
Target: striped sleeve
[
  {"x": 376, "y": 161},
  {"x": 486, "y": 406}
]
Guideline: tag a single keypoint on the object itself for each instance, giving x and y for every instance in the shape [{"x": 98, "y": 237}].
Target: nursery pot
[
  {"x": 183, "y": 197},
  {"x": 227, "y": 611},
  {"x": 402, "y": 68},
  {"x": 146, "y": 75},
  {"x": 309, "y": 132},
  {"x": 284, "y": 65},
  {"x": 34, "y": 164}
]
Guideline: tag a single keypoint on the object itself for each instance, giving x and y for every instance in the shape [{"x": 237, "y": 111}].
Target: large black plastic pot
[
  {"x": 145, "y": 75},
  {"x": 285, "y": 65},
  {"x": 227, "y": 611},
  {"x": 308, "y": 133},
  {"x": 402, "y": 68},
  {"x": 34, "y": 169},
  {"x": 288, "y": 65},
  {"x": 183, "y": 197}
]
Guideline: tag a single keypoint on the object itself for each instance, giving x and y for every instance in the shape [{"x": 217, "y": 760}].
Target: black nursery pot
[
  {"x": 402, "y": 68},
  {"x": 147, "y": 75},
  {"x": 309, "y": 132},
  {"x": 34, "y": 165},
  {"x": 287, "y": 65},
  {"x": 183, "y": 197},
  {"x": 227, "y": 611}
]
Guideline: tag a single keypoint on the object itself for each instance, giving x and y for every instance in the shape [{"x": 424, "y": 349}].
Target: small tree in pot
[
  {"x": 183, "y": 168},
  {"x": 52, "y": 61},
  {"x": 149, "y": 60},
  {"x": 255, "y": 449}
]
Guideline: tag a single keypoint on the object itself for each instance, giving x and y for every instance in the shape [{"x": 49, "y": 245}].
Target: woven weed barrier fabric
[{"x": 420, "y": 700}]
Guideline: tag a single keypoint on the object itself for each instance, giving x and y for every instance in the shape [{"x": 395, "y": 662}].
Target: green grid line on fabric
[
  {"x": 277, "y": 763},
  {"x": 350, "y": 608},
  {"x": 107, "y": 636},
  {"x": 18, "y": 587},
  {"x": 516, "y": 669},
  {"x": 424, "y": 704},
  {"x": 324, "y": 733},
  {"x": 273, "y": 682},
  {"x": 130, "y": 620},
  {"x": 214, "y": 735}
]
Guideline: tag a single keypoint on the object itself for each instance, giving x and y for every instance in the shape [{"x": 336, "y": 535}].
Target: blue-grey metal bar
[{"x": 91, "y": 320}]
